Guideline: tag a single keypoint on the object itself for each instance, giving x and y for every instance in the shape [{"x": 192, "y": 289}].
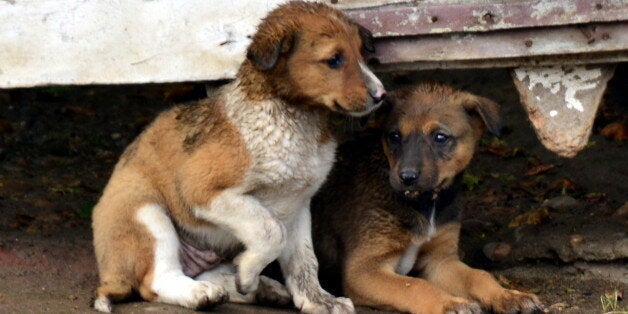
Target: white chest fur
[
  {"x": 288, "y": 163},
  {"x": 408, "y": 259}
]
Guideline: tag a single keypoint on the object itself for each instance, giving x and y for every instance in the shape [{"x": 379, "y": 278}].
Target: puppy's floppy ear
[
  {"x": 368, "y": 42},
  {"x": 273, "y": 38},
  {"x": 486, "y": 109}
]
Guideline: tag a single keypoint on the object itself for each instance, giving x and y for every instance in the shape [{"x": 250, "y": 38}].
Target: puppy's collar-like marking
[{"x": 432, "y": 224}]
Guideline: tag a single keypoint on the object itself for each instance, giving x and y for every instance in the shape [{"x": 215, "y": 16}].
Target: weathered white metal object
[
  {"x": 561, "y": 102},
  {"x": 76, "y": 42},
  {"x": 131, "y": 41}
]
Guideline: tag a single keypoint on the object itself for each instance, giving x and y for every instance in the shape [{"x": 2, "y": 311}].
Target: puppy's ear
[
  {"x": 273, "y": 38},
  {"x": 368, "y": 42},
  {"x": 484, "y": 108}
]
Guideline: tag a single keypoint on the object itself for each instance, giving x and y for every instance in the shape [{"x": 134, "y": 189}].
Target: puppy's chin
[
  {"x": 409, "y": 192},
  {"x": 370, "y": 107},
  {"x": 365, "y": 110},
  {"x": 415, "y": 195},
  {"x": 413, "y": 192}
]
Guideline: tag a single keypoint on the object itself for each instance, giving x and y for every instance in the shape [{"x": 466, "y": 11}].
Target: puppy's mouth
[
  {"x": 415, "y": 191},
  {"x": 369, "y": 108},
  {"x": 411, "y": 194}
]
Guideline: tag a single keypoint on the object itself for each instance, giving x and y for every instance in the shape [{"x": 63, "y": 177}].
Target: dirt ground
[{"x": 540, "y": 223}]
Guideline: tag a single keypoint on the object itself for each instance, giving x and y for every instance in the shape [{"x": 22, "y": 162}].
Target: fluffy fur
[
  {"x": 235, "y": 173},
  {"x": 390, "y": 209}
]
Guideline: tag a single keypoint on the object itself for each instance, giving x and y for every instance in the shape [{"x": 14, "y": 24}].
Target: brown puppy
[
  {"x": 389, "y": 208},
  {"x": 234, "y": 174}
]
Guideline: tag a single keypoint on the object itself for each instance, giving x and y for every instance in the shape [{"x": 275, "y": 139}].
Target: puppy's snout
[
  {"x": 408, "y": 178},
  {"x": 378, "y": 94},
  {"x": 373, "y": 84}
]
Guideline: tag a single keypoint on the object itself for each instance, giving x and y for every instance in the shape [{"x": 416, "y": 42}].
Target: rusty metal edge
[
  {"x": 504, "y": 45},
  {"x": 582, "y": 59},
  {"x": 430, "y": 18}
]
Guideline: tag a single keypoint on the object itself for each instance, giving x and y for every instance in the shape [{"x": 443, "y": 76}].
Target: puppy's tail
[{"x": 110, "y": 292}]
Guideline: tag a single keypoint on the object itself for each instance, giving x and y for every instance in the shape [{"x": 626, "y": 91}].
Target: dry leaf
[
  {"x": 539, "y": 169},
  {"x": 563, "y": 184},
  {"x": 616, "y": 130},
  {"x": 503, "y": 281},
  {"x": 530, "y": 218},
  {"x": 81, "y": 111}
]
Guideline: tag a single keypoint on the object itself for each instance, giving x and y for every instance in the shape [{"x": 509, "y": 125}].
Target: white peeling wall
[{"x": 127, "y": 41}]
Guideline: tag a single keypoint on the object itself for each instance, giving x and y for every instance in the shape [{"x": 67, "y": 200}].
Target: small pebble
[
  {"x": 497, "y": 251},
  {"x": 575, "y": 240},
  {"x": 562, "y": 203}
]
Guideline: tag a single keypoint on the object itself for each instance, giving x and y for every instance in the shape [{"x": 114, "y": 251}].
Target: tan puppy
[
  {"x": 389, "y": 208},
  {"x": 235, "y": 173}
]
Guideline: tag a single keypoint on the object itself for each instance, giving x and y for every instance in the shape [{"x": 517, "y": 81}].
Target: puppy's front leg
[
  {"x": 369, "y": 277},
  {"x": 300, "y": 269},
  {"x": 255, "y": 226},
  {"x": 441, "y": 266}
]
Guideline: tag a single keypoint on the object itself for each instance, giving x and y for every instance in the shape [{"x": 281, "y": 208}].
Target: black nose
[
  {"x": 408, "y": 177},
  {"x": 378, "y": 96}
]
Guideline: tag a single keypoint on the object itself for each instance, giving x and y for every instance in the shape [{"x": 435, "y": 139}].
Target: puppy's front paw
[
  {"x": 461, "y": 306},
  {"x": 513, "y": 301},
  {"x": 206, "y": 295},
  {"x": 327, "y": 303},
  {"x": 245, "y": 283}
]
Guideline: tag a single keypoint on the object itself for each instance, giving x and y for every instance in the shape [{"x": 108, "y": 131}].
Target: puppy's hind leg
[
  {"x": 111, "y": 291},
  {"x": 269, "y": 291},
  {"x": 169, "y": 284}
]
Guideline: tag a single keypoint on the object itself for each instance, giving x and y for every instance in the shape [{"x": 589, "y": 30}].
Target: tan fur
[
  {"x": 380, "y": 228},
  {"x": 139, "y": 178},
  {"x": 250, "y": 141}
]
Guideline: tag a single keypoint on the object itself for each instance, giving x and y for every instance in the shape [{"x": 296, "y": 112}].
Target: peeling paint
[
  {"x": 571, "y": 80},
  {"x": 392, "y": 34},
  {"x": 377, "y": 22},
  {"x": 562, "y": 121},
  {"x": 440, "y": 30},
  {"x": 413, "y": 18},
  {"x": 546, "y": 8},
  {"x": 480, "y": 16}
]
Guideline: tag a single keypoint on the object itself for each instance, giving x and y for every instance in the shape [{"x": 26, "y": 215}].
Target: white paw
[
  {"x": 185, "y": 291},
  {"x": 246, "y": 282},
  {"x": 247, "y": 277},
  {"x": 329, "y": 304},
  {"x": 102, "y": 304},
  {"x": 206, "y": 295}
]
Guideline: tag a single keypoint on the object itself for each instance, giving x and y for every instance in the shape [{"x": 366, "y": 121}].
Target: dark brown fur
[{"x": 365, "y": 217}]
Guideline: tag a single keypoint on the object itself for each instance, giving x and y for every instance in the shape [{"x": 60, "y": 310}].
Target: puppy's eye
[
  {"x": 394, "y": 137},
  {"x": 336, "y": 62},
  {"x": 441, "y": 138}
]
